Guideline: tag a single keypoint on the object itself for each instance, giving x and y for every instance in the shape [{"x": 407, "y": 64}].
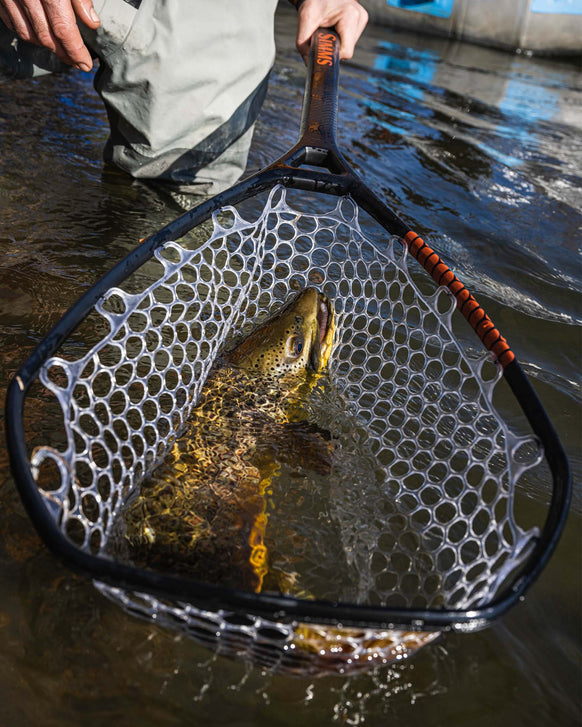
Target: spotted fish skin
[{"x": 202, "y": 512}]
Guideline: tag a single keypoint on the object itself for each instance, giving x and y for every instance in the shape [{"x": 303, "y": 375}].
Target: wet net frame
[{"x": 314, "y": 164}]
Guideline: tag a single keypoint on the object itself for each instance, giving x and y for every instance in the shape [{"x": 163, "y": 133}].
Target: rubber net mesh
[{"x": 418, "y": 508}]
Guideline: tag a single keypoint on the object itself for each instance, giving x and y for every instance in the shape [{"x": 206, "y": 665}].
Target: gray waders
[{"x": 182, "y": 83}]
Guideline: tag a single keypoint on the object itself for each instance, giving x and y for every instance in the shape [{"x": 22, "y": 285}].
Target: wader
[{"x": 182, "y": 83}]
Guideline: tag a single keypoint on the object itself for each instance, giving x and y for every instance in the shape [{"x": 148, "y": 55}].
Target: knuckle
[
  {"x": 44, "y": 37},
  {"x": 61, "y": 28},
  {"x": 74, "y": 49}
]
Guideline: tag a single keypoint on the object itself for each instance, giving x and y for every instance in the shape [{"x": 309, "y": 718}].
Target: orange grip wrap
[{"x": 466, "y": 303}]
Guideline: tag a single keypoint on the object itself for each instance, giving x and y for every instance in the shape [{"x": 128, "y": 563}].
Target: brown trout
[{"x": 203, "y": 511}]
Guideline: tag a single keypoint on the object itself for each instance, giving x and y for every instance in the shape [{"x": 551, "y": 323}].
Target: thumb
[{"x": 85, "y": 11}]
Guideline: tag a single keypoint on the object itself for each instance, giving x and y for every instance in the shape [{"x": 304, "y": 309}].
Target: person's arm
[
  {"x": 348, "y": 18},
  {"x": 53, "y": 24}
]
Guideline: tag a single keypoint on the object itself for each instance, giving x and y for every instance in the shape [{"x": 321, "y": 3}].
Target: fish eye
[{"x": 294, "y": 346}]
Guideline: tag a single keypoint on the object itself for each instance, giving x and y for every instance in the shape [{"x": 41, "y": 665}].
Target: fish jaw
[{"x": 326, "y": 324}]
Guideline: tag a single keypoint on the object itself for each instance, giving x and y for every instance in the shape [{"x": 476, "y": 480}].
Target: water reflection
[{"x": 481, "y": 151}]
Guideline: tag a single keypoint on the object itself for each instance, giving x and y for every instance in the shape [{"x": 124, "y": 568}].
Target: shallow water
[{"x": 481, "y": 152}]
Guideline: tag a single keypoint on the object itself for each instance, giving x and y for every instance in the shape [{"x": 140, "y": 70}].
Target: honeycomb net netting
[{"x": 422, "y": 494}]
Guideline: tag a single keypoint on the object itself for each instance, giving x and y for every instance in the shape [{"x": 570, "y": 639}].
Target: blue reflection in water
[
  {"x": 438, "y": 8},
  {"x": 418, "y": 72},
  {"x": 531, "y": 101},
  {"x": 415, "y": 70},
  {"x": 413, "y": 64}
]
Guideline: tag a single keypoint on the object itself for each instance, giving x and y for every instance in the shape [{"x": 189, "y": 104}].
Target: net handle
[
  {"x": 318, "y": 126},
  {"x": 317, "y": 145}
]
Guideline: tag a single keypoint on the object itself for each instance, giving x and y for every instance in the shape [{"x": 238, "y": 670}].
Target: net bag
[
  {"x": 432, "y": 526},
  {"x": 413, "y": 528}
]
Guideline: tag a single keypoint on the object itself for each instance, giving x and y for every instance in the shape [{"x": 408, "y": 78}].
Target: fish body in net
[{"x": 202, "y": 512}]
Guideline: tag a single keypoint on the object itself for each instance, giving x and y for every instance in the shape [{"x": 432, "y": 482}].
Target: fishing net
[{"x": 419, "y": 506}]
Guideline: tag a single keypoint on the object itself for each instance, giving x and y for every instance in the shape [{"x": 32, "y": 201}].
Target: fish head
[{"x": 298, "y": 337}]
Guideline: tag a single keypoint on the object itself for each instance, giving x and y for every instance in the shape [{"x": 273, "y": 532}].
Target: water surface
[{"x": 481, "y": 151}]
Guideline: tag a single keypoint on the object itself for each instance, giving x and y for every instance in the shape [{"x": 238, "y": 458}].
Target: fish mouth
[{"x": 324, "y": 318}]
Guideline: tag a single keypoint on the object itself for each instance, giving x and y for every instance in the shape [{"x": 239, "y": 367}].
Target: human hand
[
  {"x": 52, "y": 24},
  {"x": 348, "y": 18}
]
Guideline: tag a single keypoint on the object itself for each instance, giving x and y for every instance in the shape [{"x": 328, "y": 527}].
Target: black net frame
[{"x": 314, "y": 164}]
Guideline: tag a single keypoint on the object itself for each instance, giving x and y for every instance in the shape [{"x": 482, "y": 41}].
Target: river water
[{"x": 481, "y": 151}]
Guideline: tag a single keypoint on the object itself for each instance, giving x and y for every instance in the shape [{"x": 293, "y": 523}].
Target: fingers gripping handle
[{"x": 319, "y": 115}]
